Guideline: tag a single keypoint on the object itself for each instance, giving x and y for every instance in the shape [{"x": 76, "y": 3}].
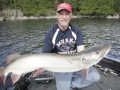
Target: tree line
[{"x": 48, "y": 7}]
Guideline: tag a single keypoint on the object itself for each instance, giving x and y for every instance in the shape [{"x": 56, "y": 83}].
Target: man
[{"x": 65, "y": 38}]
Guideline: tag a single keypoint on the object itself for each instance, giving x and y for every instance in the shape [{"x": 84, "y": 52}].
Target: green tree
[
  {"x": 117, "y": 6},
  {"x": 87, "y": 7},
  {"x": 75, "y": 5},
  {"x": 4, "y": 4},
  {"x": 105, "y": 7},
  {"x": 48, "y": 7},
  {"x": 45, "y": 7},
  {"x": 0, "y": 5},
  {"x": 97, "y": 7}
]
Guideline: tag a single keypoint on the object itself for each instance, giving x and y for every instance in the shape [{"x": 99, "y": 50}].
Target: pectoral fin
[
  {"x": 38, "y": 72},
  {"x": 85, "y": 73},
  {"x": 12, "y": 57},
  {"x": 14, "y": 78},
  {"x": 3, "y": 79}
]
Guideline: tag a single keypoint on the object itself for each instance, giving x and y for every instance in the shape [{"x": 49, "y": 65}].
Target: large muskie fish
[{"x": 54, "y": 62}]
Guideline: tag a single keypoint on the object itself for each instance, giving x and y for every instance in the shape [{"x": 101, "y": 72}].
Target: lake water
[{"x": 26, "y": 37}]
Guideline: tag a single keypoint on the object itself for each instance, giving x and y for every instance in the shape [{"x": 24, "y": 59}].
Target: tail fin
[
  {"x": 3, "y": 77},
  {"x": 14, "y": 77}
]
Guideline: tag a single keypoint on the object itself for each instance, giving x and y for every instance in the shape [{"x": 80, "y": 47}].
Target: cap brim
[{"x": 63, "y": 9}]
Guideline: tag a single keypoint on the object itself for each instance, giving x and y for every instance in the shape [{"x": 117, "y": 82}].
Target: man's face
[{"x": 64, "y": 18}]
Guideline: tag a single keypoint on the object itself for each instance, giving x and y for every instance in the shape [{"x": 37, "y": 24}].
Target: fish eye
[
  {"x": 82, "y": 59},
  {"x": 97, "y": 52}
]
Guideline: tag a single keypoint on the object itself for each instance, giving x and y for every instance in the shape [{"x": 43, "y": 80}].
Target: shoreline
[
  {"x": 12, "y": 15},
  {"x": 13, "y": 18}
]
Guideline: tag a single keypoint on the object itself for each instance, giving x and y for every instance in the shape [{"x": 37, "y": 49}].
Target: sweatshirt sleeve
[
  {"x": 79, "y": 40},
  {"x": 47, "y": 45}
]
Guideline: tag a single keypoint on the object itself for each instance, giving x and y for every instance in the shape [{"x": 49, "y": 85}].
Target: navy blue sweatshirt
[{"x": 65, "y": 42}]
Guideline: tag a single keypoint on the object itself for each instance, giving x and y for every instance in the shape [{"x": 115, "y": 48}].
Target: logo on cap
[{"x": 64, "y": 6}]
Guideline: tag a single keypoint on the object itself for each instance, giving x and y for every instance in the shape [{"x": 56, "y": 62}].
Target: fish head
[{"x": 94, "y": 55}]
